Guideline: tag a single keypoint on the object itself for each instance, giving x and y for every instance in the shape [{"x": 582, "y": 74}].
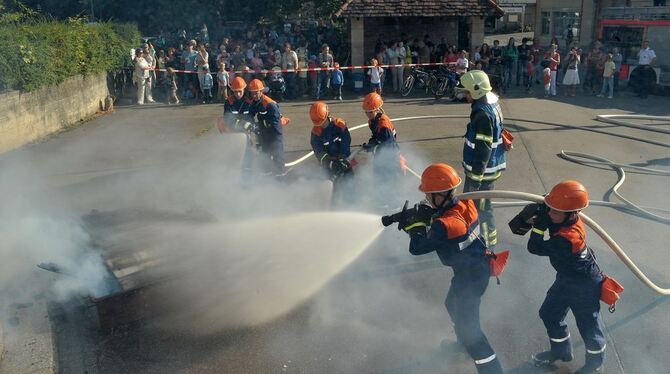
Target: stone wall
[{"x": 29, "y": 116}]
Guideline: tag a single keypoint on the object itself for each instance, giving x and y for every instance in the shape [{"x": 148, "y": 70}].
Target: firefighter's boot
[{"x": 561, "y": 350}]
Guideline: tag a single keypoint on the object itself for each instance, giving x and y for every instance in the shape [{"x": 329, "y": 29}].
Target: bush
[{"x": 40, "y": 52}]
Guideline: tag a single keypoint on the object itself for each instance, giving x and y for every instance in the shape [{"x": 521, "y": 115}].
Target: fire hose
[{"x": 581, "y": 158}]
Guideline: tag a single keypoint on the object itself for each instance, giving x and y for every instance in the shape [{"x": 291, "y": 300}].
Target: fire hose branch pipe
[{"x": 591, "y": 223}]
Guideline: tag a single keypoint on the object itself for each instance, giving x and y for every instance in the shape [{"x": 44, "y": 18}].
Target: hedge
[{"x": 38, "y": 53}]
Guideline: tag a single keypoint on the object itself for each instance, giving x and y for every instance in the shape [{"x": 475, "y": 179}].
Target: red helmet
[
  {"x": 255, "y": 85},
  {"x": 439, "y": 178},
  {"x": 372, "y": 101},
  {"x": 318, "y": 112},
  {"x": 238, "y": 84},
  {"x": 567, "y": 196}
]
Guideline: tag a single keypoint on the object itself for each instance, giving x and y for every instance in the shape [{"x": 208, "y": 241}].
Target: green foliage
[{"x": 35, "y": 52}]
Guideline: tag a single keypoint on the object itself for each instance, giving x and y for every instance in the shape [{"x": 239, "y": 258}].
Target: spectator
[
  {"x": 568, "y": 35},
  {"x": 206, "y": 85},
  {"x": 237, "y": 57},
  {"x": 462, "y": 64},
  {"x": 188, "y": 62},
  {"x": 392, "y": 58},
  {"x": 554, "y": 41},
  {"x": 204, "y": 34},
  {"x": 222, "y": 79},
  {"x": 424, "y": 53},
  {"x": 441, "y": 50},
  {"x": 618, "y": 59},
  {"x": 547, "y": 81},
  {"x": 415, "y": 51},
  {"x": 142, "y": 77},
  {"x": 553, "y": 59},
  {"x": 375, "y": 73},
  {"x": 511, "y": 59},
  {"x": 170, "y": 83},
  {"x": 289, "y": 60},
  {"x": 313, "y": 75},
  {"x": 249, "y": 54},
  {"x": 451, "y": 57},
  {"x": 646, "y": 59},
  {"x": 496, "y": 53},
  {"x": 223, "y": 56},
  {"x": 401, "y": 56},
  {"x": 202, "y": 63},
  {"x": 608, "y": 77},
  {"x": 256, "y": 64},
  {"x": 431, "y": 48},
  {"x": 325, "y": 60},
  {"x": 571, "y": 78},
  {"x": 150, "y": 57},
  {"x": 593, "y": 65},
  {"x": 530, "y": 72},
  {"x": 524, "y": 52},
  {"x": 485, "y": 56},
  {"x": 337, "y": 80}
]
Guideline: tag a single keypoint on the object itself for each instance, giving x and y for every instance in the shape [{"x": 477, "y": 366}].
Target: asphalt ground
[{"x": 385, "y": 313}]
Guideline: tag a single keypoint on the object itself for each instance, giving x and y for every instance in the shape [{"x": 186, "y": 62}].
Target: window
[
  {"x": 546, "y": 22},
  {"x": 560, "y": 21}
]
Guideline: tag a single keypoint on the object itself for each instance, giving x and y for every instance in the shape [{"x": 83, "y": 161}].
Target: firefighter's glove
[
  {"x": 424, "y": 212},
  {"x": 528, "y": 212},
  {"x": 248, "y": 126},
  {"x": 417, "y": 228},
  {"x": 542, "y": 220},
  {"x": 338, "y": 167}
]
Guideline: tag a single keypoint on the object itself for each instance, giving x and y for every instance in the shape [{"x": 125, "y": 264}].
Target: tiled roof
[{"x": 417, "y": 8}]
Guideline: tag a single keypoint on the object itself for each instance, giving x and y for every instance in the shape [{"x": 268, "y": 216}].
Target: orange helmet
[
  {"x": 372, "y": 101},
  {"x": 318, "y": 112},
  {"x": 238, "y": 84},
  {"x": 255, "y": 85},
  {"x": 567, "y": 196},
  {"x": 439, "y": 178}
]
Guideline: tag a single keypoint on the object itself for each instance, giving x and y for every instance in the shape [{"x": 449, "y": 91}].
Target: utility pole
[{"x": 92, "y": 14}]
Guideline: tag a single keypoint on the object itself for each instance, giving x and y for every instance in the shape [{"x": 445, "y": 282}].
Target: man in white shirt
[
  {"x": 289, "y": 60},
  {"x": 142, "y": 76},
  {"x": 646, "y": 74}
]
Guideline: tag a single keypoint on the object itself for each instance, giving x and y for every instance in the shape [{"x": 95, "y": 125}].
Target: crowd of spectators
[{"x": 248, "y": 53}]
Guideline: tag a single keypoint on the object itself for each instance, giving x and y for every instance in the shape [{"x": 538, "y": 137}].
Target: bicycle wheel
[
  {"x": 441, "y": 88},
  {"x": 407, "y": 86}
]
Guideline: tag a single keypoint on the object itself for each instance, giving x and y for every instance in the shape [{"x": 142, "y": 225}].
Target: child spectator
[
  {"x": 530, "y": 72},
  {"x": 547, "y": 81},
  {"x": 462, "y": 63},
  {"x": 170, "y": 81},
  {"x": 338, "y": 81},
  {"x": 207, "y": 83},
  {"x": 222, "y": 79},
  {"x": 608, "y": 77},
  {"x": 375, "y": 74}
]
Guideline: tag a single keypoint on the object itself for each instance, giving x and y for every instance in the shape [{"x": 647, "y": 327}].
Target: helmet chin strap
[{"x": 448, "y": 199}]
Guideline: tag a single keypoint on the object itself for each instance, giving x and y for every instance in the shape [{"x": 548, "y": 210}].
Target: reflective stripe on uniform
[
  {"x": 583, "y": 253},
  {"x": 560, "y": 340},
  {"x": 486, "y": 360},
  {"x": 323, "y": 157},
  {"x": 493, "y": 145},
  {"x": 486, "y": 138},
  {"x": 538, "y": 231},
  {"x": 470, "y": 239},
  {"x": 488, "y": 170},
  {"x": 601, "y": 350},
  {"x": 416, "y": 224}
]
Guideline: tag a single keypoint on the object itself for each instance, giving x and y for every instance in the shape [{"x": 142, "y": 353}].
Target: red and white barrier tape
[{"x": 270, "y": 71}]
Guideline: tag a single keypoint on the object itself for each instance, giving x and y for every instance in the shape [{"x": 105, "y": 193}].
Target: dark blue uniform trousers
[
  {"x": 463, "y": 302},
  {"x": 583, "y": 298}
]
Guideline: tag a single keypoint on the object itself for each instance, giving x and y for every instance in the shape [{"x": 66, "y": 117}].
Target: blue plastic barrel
[{"x": 358, "y": 82}]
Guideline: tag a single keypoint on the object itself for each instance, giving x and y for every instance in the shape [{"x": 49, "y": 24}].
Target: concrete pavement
[{"x": 384, "y": 314}]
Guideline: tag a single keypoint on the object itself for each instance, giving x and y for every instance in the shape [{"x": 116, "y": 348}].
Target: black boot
[
  {"x": 593, "y": 363},
  {"x": 559, "y": 351}
]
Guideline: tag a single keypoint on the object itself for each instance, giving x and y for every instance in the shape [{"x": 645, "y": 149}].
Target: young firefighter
[
  {"x": 454, "y": 236},
  {"x": 483, "y": 150},
  {"x": 386, "y": 167},
  {"x": 269, "y": 122},
  {"x": 331, "y": 144},
  {"x": 237, "y": 118},
  {"x": 578, "y": 278}
]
